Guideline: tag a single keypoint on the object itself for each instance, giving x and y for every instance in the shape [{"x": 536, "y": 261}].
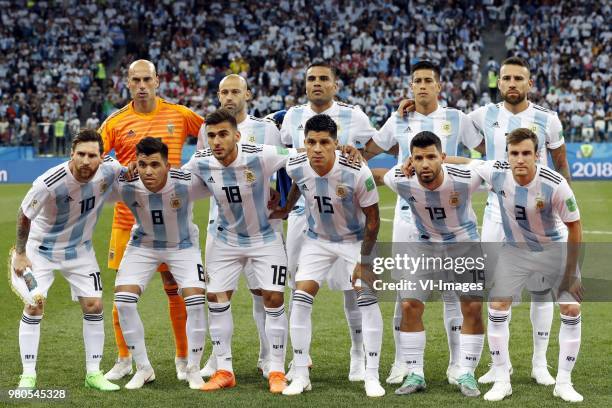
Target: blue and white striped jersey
[
  {"x": 241, "y": 191},
  {"x": 494, "y": 122},
  {"x": 533, "y": 213},
  {"x": 354, "y": 128},
  {"x": 164, "y": 220},
  {"x": 444, "y": 214},
  {"x": 64, "y": 211},
  {"x": 334, "y": 201},
  {"x": 252, "y": 130},
  {"x": 450, "y": 125}
]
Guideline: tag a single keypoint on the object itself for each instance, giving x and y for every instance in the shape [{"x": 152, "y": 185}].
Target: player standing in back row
[
  {"x": 146, "y": 115},
  {"x": 494, "y": 122},
  {"x": 353, "y": 128}
]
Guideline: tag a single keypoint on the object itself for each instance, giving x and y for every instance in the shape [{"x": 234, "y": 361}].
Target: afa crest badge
[{"x": 454, "y": 199}]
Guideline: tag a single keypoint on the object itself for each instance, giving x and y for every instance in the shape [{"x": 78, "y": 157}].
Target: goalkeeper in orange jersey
[{"x": 146, "y": 115}]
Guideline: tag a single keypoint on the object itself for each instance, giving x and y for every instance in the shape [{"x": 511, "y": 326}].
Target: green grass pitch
[{"x": 61, "y": 356}]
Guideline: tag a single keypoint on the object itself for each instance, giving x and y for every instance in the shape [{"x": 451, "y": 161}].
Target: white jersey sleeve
[
  {"x": 285, "y": 130},
  {"x": 35, "y": 199},
  {"x": 367, "y": 194},
  {"x": 364, "y": 131},
  {"x": 554, "y": 136},
  {"x": 385, "y": 137},
  {"x": 275, "y": 157},
  {"x": 273, "y": 135},
  {"x": 477, "y": 119},
  {"x": 484, "y": 168},
  {"x": 392, "y": 176},
  {"x": 468, "y": 133},
  {"x": 198, "y": 188},
  {"x": 565, "y": 204}
]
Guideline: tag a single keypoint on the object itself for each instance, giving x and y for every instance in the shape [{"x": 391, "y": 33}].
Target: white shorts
[
  {"x": 249, "y": 272},
  {"x": 493, "y": 231},
  {"x": 224, "y": 263},
  {"x": 517, "y": 266},
  {"x": 331, "y": 261},
  {"x": 403, "y": 230},
  {"x": 139, "y": 264},
  {"x": 82, "y": 273}
]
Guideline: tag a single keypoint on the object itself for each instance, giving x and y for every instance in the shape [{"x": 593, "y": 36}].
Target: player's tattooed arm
[
  {"x": 20, "y": 260},
  {"x": 23, "y": 231},
  {"x": 372, "y": 224},
  {"x": 559, "y": 157},
  {"x": 363, "y": 269},
  {"x": 371, "y": 149}
]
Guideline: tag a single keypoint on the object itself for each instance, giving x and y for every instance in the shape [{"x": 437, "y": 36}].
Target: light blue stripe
[
  {"x": 242, "y": 233},
  {"x": 432, "y": 199},
  {"x": 159, "y": 230},
  {"x": 128, "y": 195},
  {"x": 520, "y": 198},
  {"x": 351, "y": 212},
  {"x": 76, "y": 235},
  {"x": 344, "y": 118},
  {"x": 259, "y": 188},
  {"x": 463, "y": 210},
  {"x": 428, "y": 124},
  {"x": 297, "y": 176},
  {"x": 451, "y": 143},
  {"x": 497, "y": 180},
  {"x": 327, "y": 219},
  {"x": 490, "y": 118},
  {"x": 61, "y": 219},
  {"x": 260, "y": 132},
  {"x": 213, "y": 229},
  {"x": 404, "y": 190},
  {"x": 547, "y": 214},
  {"x": 182, "y": 215}
]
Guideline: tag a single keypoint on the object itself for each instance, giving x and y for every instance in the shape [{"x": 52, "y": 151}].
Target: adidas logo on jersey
[
  {"x": 502, "y": 193},
  {"x": 68, "y": 199},
  {"x": 304, "y": 187},
  {"x": 407, "y": 130},
  {"x": 495, "y": 124},
  {"x": 210, "y": 180},
  {"x": 135, "y": 204},
  {"x": 301, "y": 127}
]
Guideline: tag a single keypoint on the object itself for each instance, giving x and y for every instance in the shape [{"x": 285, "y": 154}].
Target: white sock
[
  {"x": 541, "y": 313},
  {"x": 471, "y": 350},
  {"x": 259, "y": 315},
  {"x": 300, "y": 326},
  {"x": 353, "y": 318},
  {"x": 397, "y": 321},
  {"x": 132, "y": 328},
  {"x": 498, "y": 333},
  {"x": 569, "y": 346},
  {"x": 93, "y": 337},
  {"x": 29, "y": 337},
  {"x": 276, "y": 336},
  {"x": 372, "y": 324},
  {"x": 221, "y": 328},
  {"x": 195, "y": 328},
  {"x": 453, "y": 320},
  {"x": 413, "y": 350}
]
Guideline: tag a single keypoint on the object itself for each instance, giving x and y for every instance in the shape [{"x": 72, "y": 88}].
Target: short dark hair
[
  {"x": 425, "y": 139},
  {"x": 515, "y": 60},
  {"x": 425, "y": 64},
  {"x": 220, "y": 116},
  {"x": 325, "y": 64},
  {"x": 520, "y": 134},
  {"x": 321, "y": 123},
  {"x": 88, "y": 135},
  {"x": 151, "y": 145}
]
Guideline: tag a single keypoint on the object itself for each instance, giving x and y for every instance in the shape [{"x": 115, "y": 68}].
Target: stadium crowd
[{"x": 55, "y": 56}]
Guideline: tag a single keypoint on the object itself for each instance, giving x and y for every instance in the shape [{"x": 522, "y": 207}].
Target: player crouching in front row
[
  {"x": 161, "y": 200},
  {"x": 343, "y": 221},
  {"x": 535, "y": 203},
  {"x": 62, "y": 207}
]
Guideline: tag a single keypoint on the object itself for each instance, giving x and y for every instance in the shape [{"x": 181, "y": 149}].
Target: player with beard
[{"x": 494, "y": 122}]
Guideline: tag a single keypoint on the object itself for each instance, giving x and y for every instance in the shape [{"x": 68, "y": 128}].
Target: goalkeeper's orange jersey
[{"x": 125, "y": 128}]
